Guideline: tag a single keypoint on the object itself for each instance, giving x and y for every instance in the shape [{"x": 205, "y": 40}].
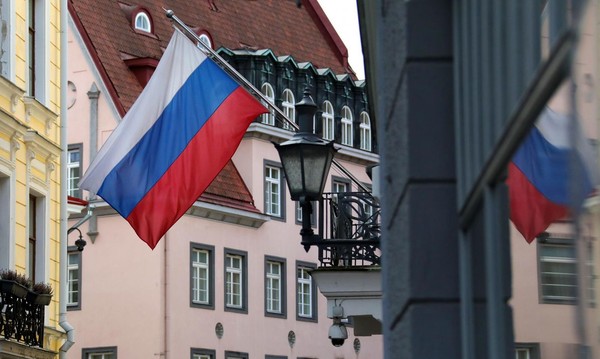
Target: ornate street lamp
[{"x": 306, "y": 159}]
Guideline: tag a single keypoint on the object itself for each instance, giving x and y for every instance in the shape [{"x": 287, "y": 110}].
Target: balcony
[
  {"x": 349, "y": 229},
  {"x": 21, "y": 325},
  {"x": 349, "y": 245}
]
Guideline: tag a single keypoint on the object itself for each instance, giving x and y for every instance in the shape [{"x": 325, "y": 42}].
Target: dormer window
[{"x": 142, "y": 22}]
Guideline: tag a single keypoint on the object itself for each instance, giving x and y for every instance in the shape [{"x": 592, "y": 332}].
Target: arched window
[
  {"x": 328, "y": 122},
  {"x": 206, "y": 40},
  {"x": 365, "y": 131},
  {"x": 267, "y": 90},
  {"x": 142, "y": 22},
  {"x": 288, "y": 105},
  {"x": 347, "y": 134}
]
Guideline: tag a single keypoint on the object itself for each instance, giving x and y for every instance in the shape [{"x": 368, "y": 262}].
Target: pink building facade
[{"x": 229, "y": 279}]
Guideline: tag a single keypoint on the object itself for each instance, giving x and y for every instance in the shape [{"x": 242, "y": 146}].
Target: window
[
  {"x": 6, "y": 246},
  {"x": 236, "y": 281},
  {"x": 275, "y": 286},
  {"x": 201, "y": 276},
  {"x": 527, "y": 351},
  {"x": 328, "y": 121},
  {"x": 340, "y": 185},
  {"x": 197, "y": 353},
  {"x": 368, "y": 205},
  {"x": 313, "y": 215},
  {"x": 274, "y": 190},
  {"x": 36, "y": 42},
  {"x": 347, "y": 133},
  {"x": 305, "y": 293},
  {"x": 73, "y": 279},
  {"x": 36, "y": 234},
  {"x": 142, "y": 22},
  {"x": 557, "y": 270},
  {"x": 6, "y": 42},
  {"x": 365, "y": 131},
  {"x": 591, "y": 292},
  {"x": 74, "y": 170},
  {"x": 235, "y": 355},
  {"x": 100, "y": 353},
  {"x": 288, "y": 105},
  {"x": 33, "y": 225},
  {"x": 31, "y": 43},
  {"x": 268, "y": 118}
]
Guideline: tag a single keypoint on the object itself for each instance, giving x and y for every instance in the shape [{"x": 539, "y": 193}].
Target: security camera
[{"x": 337, "y": 333}]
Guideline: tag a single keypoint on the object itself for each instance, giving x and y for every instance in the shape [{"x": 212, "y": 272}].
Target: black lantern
[{"x": 306, "y": 159}]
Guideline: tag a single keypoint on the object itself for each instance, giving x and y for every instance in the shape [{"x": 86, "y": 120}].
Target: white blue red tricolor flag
[
  {"x": 552, "y": 172},
  {"x": 175, "y": 139}
]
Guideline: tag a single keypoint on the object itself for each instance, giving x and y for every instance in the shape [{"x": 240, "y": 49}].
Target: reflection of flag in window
[
  {"x": 179, "y": 134},
  {"x": 548, "y": 176}
]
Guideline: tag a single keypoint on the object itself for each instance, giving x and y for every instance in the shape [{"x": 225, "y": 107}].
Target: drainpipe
[{"x": 70, "y": 331}]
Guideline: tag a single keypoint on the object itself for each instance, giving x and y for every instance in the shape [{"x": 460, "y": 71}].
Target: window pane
[
  {"x": 200, "y": 276},
  {"x": 233, "y": 281},
  {"x": 558, "y": 271}
]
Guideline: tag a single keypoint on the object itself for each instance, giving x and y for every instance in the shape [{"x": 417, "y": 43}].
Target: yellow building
[{"x": 30, "y": 158}]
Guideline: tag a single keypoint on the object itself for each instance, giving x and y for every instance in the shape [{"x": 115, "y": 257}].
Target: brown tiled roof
[
  {"x": 278, "y": 25},
  {"x": 228, "y": 189}
]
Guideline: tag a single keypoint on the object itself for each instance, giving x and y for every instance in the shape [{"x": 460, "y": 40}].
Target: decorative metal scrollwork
[
  {"x": 350, "y": 231},
  {"x": 21, "y": 320}
]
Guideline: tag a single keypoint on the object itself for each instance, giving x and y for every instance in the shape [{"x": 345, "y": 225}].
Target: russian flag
[
  {"x": 552, "y": 172},
  {"x": 175, "y": 139}
]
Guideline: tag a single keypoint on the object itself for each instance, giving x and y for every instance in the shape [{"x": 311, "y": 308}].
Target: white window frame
[
  {"x": 201, "y": 276},
  {"x": 39, "y": 271},
  {"x": 347, "y": 128},
  {"x": 198, "y": 353},
  {"x": 72, "y": 189},
  {"x": 527, "y": 351},
  {"x": 548, "y": 278},
  {"x": 268, "y": 118},
  {"x": 304, "y": 293},
  {"x": 340, "y": 186},
  {"x": 365, "y": 131},
  {"x": 288, "y": 106},
  {"x": 274, "y": 287},
  {"x": 142, "y": 22},
  {"x": 100, "y": 353},
  {"x": 235, "y": 278},
  {"x": 328, "y": 121},
  {"x": 7, "y": 48},
  {"x": 73, "y": 267},
  {"x": 40, "y": 51},
  {"x": 273, "y": 191},
  {"x": 7, "y": 210}
]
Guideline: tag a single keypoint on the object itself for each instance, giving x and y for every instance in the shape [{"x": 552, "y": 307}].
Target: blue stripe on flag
[
  {"x": 547, "y": 167},
  {"x": 180, "y": 121}
]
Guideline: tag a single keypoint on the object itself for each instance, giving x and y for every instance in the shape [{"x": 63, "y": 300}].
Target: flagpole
[
  {"x": 248, "y": 85},
  {"x": 227, "y": 67}
]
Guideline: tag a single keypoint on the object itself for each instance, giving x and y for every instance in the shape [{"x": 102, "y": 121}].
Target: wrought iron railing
[
  {"x": 349, "y": 230},
  {"x": 21, "y": 319}
]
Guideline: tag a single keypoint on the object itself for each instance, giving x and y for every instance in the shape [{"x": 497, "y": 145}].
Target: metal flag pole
[{"x": 208, "y": 51}]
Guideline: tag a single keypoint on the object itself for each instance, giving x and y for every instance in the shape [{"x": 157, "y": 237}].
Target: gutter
[{"x": 70, "y": 331}]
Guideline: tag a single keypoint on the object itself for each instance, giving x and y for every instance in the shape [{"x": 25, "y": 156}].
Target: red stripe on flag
[
  {"x": 530, "y": 211},
  {"x": 196, "y": 167}
]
